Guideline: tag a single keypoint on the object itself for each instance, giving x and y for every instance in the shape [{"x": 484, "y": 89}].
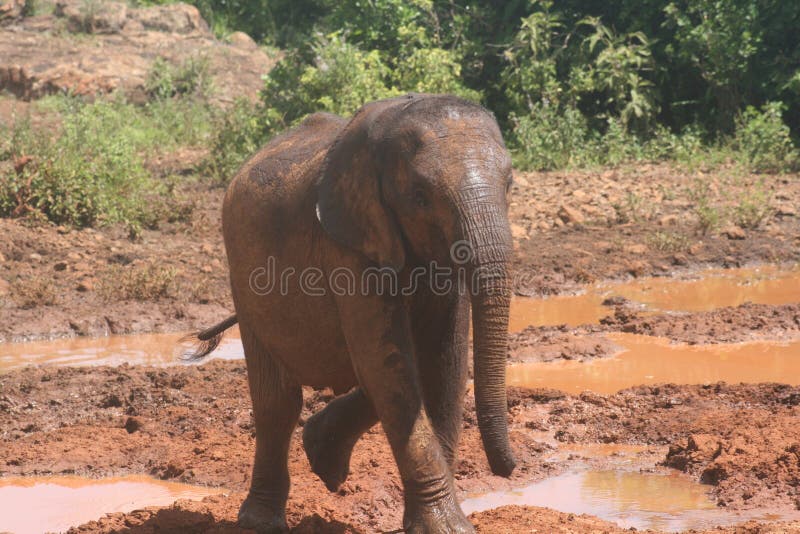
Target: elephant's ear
[{"x": 349, "y": 203}]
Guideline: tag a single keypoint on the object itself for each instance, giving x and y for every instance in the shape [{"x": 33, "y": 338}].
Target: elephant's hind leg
[
  {"x": 277, "y": 400},
  {"x": 330, "y": 435}
]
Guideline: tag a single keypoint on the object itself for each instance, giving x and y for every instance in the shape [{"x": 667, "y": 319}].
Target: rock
[
  {"x": 60, "y": 266},
  {"x": 734, "y": 232},
  {"x": 85, "y": 285},
  {"x": 94, "y": 17},
  {"x": 2, "y": 258},
  {"x": 569, "y": 215},
  {"x": 206, "y": 269},
  {"x": 11, "y": 9},
  {"x": 696, "y": 248},
  {"x": 133, "y": 424},
  {"x": 786, "y": 210},
  {"x": 580, "y": 196},
  {"x": 518, "y": 231},
  {"x": 680, "y": 259},
  {"x": 35, "y": 257},
  {"x": 521, "y": 181},
  {"x": 172, "y": 18},
  {"x": 207, "y": 248},
  {"x": 5, "y": 288},
  {"x": 668, "y": 220},
  {"x": 243, "y": 41},
  {"x": 36, "y": 59},
  {"x": 637, "y": 249}
]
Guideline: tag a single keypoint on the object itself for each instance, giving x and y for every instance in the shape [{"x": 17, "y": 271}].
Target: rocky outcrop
[{"x": 95, "y": 48}]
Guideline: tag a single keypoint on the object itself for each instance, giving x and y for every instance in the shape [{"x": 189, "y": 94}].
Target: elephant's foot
[
  {"x": 442, "y": 517},
  {"x": 258, "y": 515},
  {"x": 329, "y": 456}
]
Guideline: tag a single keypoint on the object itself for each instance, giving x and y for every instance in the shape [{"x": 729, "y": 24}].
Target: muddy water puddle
[
  {"x": 53, "y": 504},
  {"x": 651, "y": 360},
  {"x": 146, "y": 349},
  {"x": 662, "y": 501},
  {"x": 709, "y": 289},
  {"x": 620, "y": 483}
]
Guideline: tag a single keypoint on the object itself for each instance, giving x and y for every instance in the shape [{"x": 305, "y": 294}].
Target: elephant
[{"x": 393, "y": 191}]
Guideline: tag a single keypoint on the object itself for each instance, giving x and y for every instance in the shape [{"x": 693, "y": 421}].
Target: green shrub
[
  {"x": 548, "y": 138},
  {"x": 190, "y": 77},
  {"x": 239, "y": 132},
  {"x": 91, "y": 171},
  {"x": 764, "y": 141},
  {"x": 753, "y": 207},
  {"x": 143, "y": 283}
]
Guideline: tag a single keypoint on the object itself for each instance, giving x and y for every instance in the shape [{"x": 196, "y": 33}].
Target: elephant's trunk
[{"x": 490, "y": 239}]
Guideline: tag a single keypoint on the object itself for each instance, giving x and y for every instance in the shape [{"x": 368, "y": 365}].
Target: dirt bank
[
  {"x": 193, "y": 424},
  {"x": 52, "y": 279}
]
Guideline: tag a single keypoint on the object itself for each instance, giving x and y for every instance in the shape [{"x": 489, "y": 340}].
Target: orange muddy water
[
  {"x": 652, "y": 360},
  {"x": 145, "y": 349},
  {"x": 33, "y": 505},
  {"x": 663, "y": 501},
  {"x": 713, "y": 288}
]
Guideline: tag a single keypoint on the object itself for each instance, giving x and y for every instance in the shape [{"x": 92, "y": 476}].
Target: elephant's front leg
[
  {"x": 379, "y": 337},
  {"x": 441, "y": 332}
]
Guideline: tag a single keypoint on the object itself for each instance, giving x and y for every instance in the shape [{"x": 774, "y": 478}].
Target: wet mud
[{"x": 193, "y": 425}]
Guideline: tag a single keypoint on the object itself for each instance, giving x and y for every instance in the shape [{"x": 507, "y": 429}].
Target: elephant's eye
[{"x": 420, "y": 199}]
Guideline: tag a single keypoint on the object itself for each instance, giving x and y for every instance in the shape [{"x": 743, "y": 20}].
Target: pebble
[
  {"x": 734, "y": 232},
  {"x": 568, "y": 214}
]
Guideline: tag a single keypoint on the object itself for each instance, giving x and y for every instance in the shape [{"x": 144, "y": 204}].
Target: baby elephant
[{"x": 357, "y": 249}]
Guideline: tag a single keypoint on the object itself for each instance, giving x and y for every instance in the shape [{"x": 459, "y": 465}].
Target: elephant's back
[{"x": 289, "y": 163}]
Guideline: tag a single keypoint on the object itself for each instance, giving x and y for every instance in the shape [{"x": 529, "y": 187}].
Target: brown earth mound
[
  {"x": 745, "y": 322},
  {"x": 95, "y": 52}
]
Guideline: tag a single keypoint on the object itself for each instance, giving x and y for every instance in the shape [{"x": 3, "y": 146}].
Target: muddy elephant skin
[{"x": 407, "y": 183}]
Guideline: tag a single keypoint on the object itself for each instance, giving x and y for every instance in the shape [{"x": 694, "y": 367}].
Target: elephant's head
[{"x": 408, "y": 180}]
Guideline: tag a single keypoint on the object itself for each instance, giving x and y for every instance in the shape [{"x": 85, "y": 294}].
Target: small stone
[
  {"x": 85, "y": 285},
  {"x": 62, "y": 229},
  {"x": 695, "y": 249},
  {"x": 569, "y": 214},
  {"x": 785, "y": 210},
  {"x": 2, "y": 258},
  {"x": 637, "y": 249},
  {"x": 518, "y": 231},
  {"x": 207, "y": 249},
  {"x": 133, "y": 424},
  {"x": 668, "y": 220},
  {"x": 60, "y": 266},
  {"x": 35, "y": 257},
  {"x": 521, "y": 181},
  {"x": 5, "y": 287},
  {"x": 680, "y": 259},
  {"x": 734, "y": 232},
  {"x": 206, "y": 269},
  {"x": 74, "y": 256}
]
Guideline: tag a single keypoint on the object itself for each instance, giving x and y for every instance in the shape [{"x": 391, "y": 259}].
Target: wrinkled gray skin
[{"x": 397, "y": 186}]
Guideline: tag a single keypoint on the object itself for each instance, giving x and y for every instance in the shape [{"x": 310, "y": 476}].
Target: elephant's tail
[{"x": 207, "y": 340}]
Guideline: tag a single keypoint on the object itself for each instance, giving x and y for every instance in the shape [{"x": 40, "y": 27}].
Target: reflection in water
[
  {"x": 53, "y": 504},
  {"x": 642, "y": 500},
  {"x": 652, "y": 360},
  {"x": 717, "y": 288},
  {"x": 143, "y": 349}
]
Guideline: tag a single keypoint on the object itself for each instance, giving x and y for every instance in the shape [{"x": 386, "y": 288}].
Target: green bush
[
  {"x": 763, "y": 140},
  {"x": 92, "y": 170},
  {"x": 239, "y": 132},
  {"x": 190, "y": 77},
  {"x": 548, "y": 138}
]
